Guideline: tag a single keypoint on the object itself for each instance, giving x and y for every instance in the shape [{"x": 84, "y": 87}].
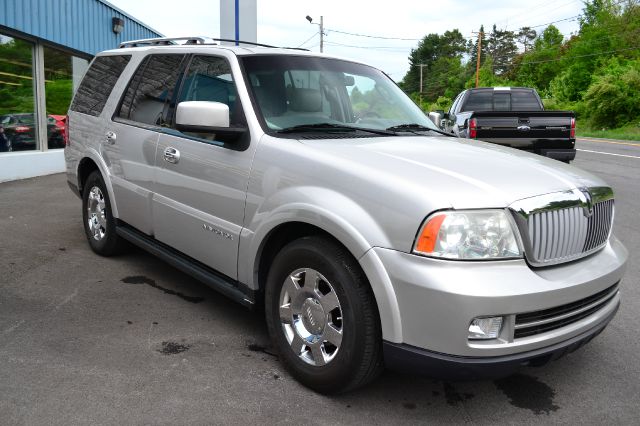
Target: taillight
[
  {"x": 21, "y": 129},
  {"x": 65, "y": 135},
  {"x": 473, "y": 128},
  {"x": 572, "y": 135}
]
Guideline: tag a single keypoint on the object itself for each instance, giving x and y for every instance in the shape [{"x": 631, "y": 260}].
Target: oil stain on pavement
[
  {"x": 528, "y": 392},
  {"x": 141, "y": 279},
  {"x": 172, "y": 348},
  {"x": 452, "y": 396}
]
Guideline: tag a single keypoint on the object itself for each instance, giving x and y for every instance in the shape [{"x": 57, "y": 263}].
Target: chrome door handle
[
  {"x": 171, "y": 155},
  {"x": 111, "y": 137}
]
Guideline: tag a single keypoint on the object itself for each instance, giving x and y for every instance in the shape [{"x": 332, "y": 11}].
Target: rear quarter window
[{"x": 98, "y": 83}]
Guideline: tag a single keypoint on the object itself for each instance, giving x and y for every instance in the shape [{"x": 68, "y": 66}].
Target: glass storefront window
[
  {"x": 63, "y": 73},
  {"x": 17, "y": 104}
]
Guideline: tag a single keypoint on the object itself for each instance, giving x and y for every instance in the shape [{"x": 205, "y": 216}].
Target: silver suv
[{"x": 314, "y": 188}]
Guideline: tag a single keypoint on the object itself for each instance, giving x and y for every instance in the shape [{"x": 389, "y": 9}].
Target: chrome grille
[
  {"x": 564, "y": 226},
  {"x": 599, "y": 225}
]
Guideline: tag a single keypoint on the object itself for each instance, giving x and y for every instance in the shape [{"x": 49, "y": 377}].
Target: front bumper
[
  {"x": 409, "y": 359},
  {"x": 437, "y": 299}
]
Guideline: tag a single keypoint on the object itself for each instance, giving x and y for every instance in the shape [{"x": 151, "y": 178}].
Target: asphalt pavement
[{"x": 130, "y": 340}]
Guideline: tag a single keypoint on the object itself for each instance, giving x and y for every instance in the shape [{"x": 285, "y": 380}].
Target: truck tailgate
[{"x": 523, "y": 125}]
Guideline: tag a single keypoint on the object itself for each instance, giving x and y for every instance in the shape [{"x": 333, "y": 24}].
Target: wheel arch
[
  {"x": 88, "y": 164},
  {"x": 343, "y": 233}
]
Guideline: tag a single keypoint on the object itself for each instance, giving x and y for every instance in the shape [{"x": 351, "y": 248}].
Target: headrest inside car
[{"x": 305, "y": 100}]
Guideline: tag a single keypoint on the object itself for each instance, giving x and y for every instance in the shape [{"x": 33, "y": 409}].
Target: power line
[
  {"x": 368, "y": 47},
  {"x": 372, "y": 36},
  {"x": 580, "y": 56},
  {"x": 590, "y": 42},
  {"x": 546, "y": 11},
  {"x": 309, "y": 39}
]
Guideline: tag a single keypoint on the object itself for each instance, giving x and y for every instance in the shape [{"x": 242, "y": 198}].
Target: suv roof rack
[{"x": 167, "y": 41}]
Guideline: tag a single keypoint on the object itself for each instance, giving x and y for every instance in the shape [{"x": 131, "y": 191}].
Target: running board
[{"x": 217, "y": 281}]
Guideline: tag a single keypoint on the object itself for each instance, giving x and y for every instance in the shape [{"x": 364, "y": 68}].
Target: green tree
[
  {"x": 539, "y": 66},
  {"x": 501, "y": 46},
  {"x": 430, "y": 49}
]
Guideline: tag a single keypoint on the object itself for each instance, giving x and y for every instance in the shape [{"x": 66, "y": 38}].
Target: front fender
[{"x": 347, "y": 222}]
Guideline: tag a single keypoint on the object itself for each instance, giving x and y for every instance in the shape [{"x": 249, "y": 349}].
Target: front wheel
[{"x": 322, "y": 316}]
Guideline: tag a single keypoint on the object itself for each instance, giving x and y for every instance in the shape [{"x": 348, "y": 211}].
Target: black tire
[
  {"x": 358, "y": 360},
  {"x": 110, "y": 243}
]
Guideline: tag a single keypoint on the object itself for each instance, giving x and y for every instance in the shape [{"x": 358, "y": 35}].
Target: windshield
[{"x": 301, "y": 91}]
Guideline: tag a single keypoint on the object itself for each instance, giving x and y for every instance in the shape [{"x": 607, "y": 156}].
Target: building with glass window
[{"x": 45, "y": 49}]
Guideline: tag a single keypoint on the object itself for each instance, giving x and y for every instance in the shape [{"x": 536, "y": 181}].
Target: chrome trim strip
[{"x": 600, "y": 301}]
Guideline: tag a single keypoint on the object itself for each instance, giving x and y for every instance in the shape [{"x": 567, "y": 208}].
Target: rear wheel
[
  {"x": 322, "y": 316},
  {"x": 99, "y": 224}
]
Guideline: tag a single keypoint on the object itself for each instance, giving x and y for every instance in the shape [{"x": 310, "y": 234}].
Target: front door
[{"x": 201, "y": 180}]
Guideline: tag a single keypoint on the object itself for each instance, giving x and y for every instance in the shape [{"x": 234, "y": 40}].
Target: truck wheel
[
  {"x": 322, "y": 316},
  {"x": 99, "y": 224}
]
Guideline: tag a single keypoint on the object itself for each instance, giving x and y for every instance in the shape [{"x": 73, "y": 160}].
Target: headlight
[{"x": 468, "y": 235}]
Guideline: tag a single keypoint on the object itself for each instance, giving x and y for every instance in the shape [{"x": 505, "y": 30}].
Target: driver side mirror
[
  {"x": 206, "y": 117},
  {"x": 436, "y": 117}
]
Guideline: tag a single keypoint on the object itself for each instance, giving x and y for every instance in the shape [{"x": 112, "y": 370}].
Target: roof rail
[{"x": 166, "y": 41}]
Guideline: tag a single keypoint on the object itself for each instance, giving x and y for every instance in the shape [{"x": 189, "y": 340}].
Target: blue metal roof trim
[{"x": 83, "y": 25}]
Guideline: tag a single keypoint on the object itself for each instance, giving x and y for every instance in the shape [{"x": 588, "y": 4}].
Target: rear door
[
  {"x": 201, "y": 188},
  {"x": 132, "y": 136}
]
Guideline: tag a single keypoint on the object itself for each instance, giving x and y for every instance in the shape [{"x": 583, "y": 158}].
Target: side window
[
  {"x": 455, "y": 103},
  {"x": 97, "y": 84},
  {"x": 149, "y": 97},
  {"x": 209, "y": 78}
]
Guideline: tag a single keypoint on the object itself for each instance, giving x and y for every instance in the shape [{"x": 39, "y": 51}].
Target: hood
[{"x": 467, "y": 173}]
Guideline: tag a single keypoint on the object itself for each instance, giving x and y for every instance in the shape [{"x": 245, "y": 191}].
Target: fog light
[{"x": 485, "y": 328}]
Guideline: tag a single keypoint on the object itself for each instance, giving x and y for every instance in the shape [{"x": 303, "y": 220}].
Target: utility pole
[
  {"x": 321, "y": 25},
  {"x": 480, "y": 35},
  {"x": 321, "y": 33},
  {"x": 421, "y": 66}
]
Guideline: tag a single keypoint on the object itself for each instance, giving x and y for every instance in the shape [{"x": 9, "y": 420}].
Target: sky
[{"x": 283, "y": 23}]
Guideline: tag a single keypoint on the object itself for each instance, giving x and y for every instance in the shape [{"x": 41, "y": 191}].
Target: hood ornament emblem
[{"x": 587, "y": 200}]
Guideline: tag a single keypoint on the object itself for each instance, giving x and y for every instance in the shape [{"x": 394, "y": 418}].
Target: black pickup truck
[{"x": 510, "y": 116}]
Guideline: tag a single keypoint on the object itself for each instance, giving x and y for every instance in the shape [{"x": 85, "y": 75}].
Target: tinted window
[
  {"x": 97, "y": 84},
  {"x": 502, "y": 101},
  {"x": 479, "y": 101},
  {"x": 454, "y": 105},
  {"x": 209, "y": 79},
  {"x": 149, "y": 96},
  {"x": 524, "y": 100}
]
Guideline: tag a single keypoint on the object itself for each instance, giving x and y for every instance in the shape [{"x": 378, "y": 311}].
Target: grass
[{"x": 630, "y": 132}]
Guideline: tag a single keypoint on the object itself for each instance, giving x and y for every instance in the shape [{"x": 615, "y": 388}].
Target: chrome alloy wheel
[
  {"x": 311, "y": 316},
  {"x": 96, "y": 215}
]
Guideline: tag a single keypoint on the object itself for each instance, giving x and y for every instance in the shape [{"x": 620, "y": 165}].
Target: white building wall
[
  {"x": 247, "y": 19},
  {"x": 27, "y": 164}
]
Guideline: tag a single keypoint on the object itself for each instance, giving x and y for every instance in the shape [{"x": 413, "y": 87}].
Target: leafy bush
[
  {"x": 442, "y": 103},
  {"x": 613, "y": 99}
]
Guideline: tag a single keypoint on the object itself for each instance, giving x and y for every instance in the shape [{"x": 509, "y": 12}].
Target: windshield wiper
[
  {"x": 415, "y": 128},
  {"x": 332, "y": 127}
]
